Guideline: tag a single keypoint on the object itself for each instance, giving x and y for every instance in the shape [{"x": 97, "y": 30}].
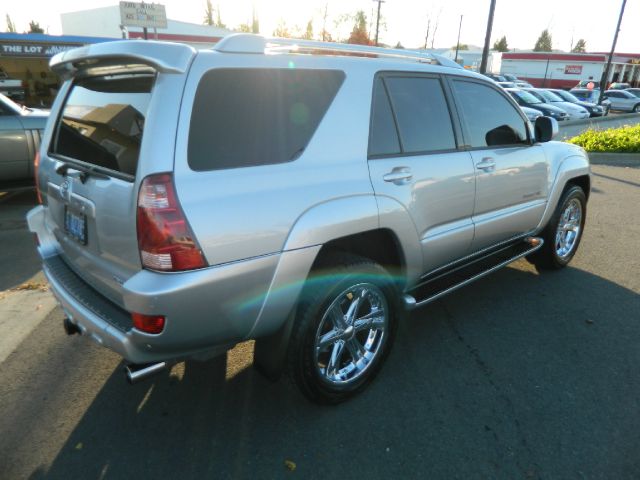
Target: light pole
[
  {"x": 380, "y": 2},
  {"x": 605, "y": 75},
  {"x": 458, "y": 44},
  {"x": 487, "y": 38}
]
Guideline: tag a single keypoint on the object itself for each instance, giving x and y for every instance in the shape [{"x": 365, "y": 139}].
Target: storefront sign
[
  {"x": 149, "y": 15},
  {"x": 32, "y": 49},
  {"x": 573, "y": 69}
]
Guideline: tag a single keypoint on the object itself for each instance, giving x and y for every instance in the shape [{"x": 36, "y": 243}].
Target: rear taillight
[
  {"x": 36, "y": 169},
  {"x": 148, "y": 323},
  {"x": 165, "y": 239}
]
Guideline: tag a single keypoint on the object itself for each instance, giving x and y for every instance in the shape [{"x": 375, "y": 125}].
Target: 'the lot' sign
[{"x": 149, "y": 15}]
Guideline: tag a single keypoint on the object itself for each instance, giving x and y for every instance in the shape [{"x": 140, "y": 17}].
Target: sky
[{"x": 403, "y": 21}]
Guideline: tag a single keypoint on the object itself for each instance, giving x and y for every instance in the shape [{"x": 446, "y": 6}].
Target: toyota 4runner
[{"x": 298, "y": 193}]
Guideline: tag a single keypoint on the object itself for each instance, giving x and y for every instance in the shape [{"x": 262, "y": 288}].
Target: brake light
[
  {"x": 165, "y": 239},
  {"x": 148, "y": 323},
  {"x": 36, "y": 169}
]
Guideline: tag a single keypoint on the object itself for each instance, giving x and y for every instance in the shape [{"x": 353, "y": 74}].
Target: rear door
[
  {"x": 511, "y": 172},
  {"x": 14, "y": 149},
  {"x": 89, "y": 174},
  {"x": 414, "y": 159}
]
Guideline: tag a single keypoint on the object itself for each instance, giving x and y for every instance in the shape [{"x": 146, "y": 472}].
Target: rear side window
[
  {"x": 422, "y": 114},
  {"x": 490, "y": 119},
  {"x": 103, "y": 120},
  {"x": 250, "y": 117}
]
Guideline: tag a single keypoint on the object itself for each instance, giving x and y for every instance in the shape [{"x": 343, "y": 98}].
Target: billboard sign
[
  {"x": 145, "y": 15},
  {"x": 573, "y": 69}
]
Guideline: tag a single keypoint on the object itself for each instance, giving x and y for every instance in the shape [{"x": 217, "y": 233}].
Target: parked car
[
  {"x": 623, "y": 100},
  {"x": 526, "y": 99},
  {"x": 20, "y": 132},
  {"x": 507, "y": 84},
  {"x": 511, "y": 78},
  {"x": 593, "y": 109},
  {"x": 11, "y": 88},
  {"x": 531, "y": 113},
  {"x": 634, "y": 91},
  {"x": 193, "y": 200},
  {"x": 522, "y": 84},
  {"x": 585, "y": 84},
  {"x": 619, "y": 86},
  {"x": 576, "y": 112},
  {"x": 592, "y": 96},
  {"x": 496, "y": 77}
]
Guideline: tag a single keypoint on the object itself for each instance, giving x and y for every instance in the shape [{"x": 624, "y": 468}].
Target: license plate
[{"x": 76, "y": 226}]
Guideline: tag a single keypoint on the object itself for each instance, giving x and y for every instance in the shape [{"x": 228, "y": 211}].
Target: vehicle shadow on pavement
[{"x": 519, "y": 376}]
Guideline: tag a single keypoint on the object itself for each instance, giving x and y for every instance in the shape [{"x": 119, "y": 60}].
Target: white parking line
[{"x": 21, "y": 311}]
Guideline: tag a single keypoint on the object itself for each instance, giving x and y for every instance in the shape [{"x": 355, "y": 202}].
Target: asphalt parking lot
[{"x": 521, "y": 375}]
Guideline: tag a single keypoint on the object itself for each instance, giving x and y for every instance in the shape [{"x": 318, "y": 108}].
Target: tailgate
[{"x": 92, "y": 163}]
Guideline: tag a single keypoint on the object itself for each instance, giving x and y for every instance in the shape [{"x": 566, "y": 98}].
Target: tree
[
  {"x": 10, "y": 25},
  {"x": 359, "y": 34},
  {"x": 208, "y": 14},
  {"x": 308, "y": 34},
  {"x": 501, "y": 45},
  {"x": 581, "y": 46},
  {"x": 282, "y": 30},
  {"x": 399, "y": 46},
  {"x": 255, "y": 24},
  {"x": 544, "y": 43},
  {"x": 462, "y": 46},
  {"x": 34, "y": 27},
  {"x": 432, "y": 21},
  {"x": 244, "y": 28}
]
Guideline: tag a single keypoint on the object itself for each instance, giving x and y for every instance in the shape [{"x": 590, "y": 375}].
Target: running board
[{"x": 441, "y": 284}]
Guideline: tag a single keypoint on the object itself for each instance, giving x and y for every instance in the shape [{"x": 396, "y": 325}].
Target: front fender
[{"x": 563, "y": 168}]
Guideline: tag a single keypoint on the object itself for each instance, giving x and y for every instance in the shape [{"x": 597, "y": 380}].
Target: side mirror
[{"x": 545, "y": 128}]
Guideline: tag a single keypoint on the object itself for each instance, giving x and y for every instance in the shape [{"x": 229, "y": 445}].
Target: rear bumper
[{"x": 206, "y": 310}]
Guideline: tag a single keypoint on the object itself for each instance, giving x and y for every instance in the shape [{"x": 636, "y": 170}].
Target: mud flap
[{"x": 270, "y": 352}]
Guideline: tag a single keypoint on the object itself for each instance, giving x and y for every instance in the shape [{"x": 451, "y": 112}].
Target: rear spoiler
[{"x": 163, "y": 57}]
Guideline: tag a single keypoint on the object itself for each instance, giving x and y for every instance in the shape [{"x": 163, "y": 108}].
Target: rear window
[
  {"x": 103, "y": 120},
  {"x": 250, "y": 117}
]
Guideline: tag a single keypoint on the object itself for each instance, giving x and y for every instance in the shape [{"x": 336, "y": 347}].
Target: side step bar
[{"x": 443, "y": 283}]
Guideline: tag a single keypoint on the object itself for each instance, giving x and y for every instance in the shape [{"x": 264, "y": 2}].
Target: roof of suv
[{"x": 175, "y": 58}]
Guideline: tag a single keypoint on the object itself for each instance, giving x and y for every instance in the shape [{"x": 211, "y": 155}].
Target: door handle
[
  {"x": 487, "y": 164},
  {"x": 399, "y": 175}
]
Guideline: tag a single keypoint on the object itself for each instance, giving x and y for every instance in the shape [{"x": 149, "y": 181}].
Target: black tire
[
  {"x": 636, "y": 108},
  {"x": 551, "y": 256},
  {"x": 329, "y": 289}
]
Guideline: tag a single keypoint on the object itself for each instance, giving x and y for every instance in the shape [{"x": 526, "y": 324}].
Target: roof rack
[{"x": 250, "y": 43}]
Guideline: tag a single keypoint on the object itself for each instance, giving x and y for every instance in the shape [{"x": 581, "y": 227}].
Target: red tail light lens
[
  {"x": 36, "y": 168},
  {"x": 165, "y": 239},
  {"x": 148, "y": 323}
]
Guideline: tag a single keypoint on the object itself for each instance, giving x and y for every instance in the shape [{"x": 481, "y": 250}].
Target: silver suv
[{"x": 301, "y": 195}]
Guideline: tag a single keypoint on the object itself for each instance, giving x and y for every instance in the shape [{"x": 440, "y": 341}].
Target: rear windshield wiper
[{"x": 85, "y": 172}]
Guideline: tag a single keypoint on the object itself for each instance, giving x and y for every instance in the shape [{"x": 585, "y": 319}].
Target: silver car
[
  {"x": 20, "y": 132},
  {"x": 623, "y": 100},
  {"x": 302, "y": 194}
]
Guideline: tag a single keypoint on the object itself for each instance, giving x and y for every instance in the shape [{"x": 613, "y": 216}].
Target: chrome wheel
[
  {"x": 351, "y": 334},
  {"x": 568, "y": 230}
]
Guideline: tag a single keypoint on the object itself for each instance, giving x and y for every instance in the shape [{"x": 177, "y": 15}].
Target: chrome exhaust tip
[{"x": 136, "y": 373}]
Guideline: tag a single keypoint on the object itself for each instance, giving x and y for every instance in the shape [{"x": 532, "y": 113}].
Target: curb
[
  {"x": 599, "y": 120},
  {"x": 615, "y": 159}
]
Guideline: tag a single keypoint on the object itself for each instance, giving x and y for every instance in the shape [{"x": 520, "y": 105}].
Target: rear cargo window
[
  {"x": 248, "y": 117},
  {"x": 103, "y": 120}
]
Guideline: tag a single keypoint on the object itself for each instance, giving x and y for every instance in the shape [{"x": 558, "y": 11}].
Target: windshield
[
  {"x": 582, "y": 94},
  {"x": 8, "y": 104},
  {"x": 549, "y": 96},
  {"x": 526, "y": 97},
  {"x": 567, "y": 96}
]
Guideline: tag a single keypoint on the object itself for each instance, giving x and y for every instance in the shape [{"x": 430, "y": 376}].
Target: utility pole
[
  {"x": 487, "y": 38},
  {"x": 380, "y": 2},
  {"x": 458, "y": 44},
  {"x": 605, "y": 75}
]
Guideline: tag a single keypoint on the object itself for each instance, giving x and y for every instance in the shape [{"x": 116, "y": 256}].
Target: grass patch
[{"x": 613, "y": 140}]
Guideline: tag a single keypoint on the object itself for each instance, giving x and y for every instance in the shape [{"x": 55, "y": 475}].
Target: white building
[{"x": 105, "y": 22}]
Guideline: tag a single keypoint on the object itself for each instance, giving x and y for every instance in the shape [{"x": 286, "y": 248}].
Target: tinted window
[
  {"x": 248, "y": 117},
  {"x": 490, "y": 119},
  {"x": 383, "y": 137},
  {"x": 103, "y": 120},
  {"x": 422, "y": 114}
]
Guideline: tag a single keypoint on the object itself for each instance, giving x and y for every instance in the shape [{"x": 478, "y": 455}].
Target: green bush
[{"x": 614, "y": 140}]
